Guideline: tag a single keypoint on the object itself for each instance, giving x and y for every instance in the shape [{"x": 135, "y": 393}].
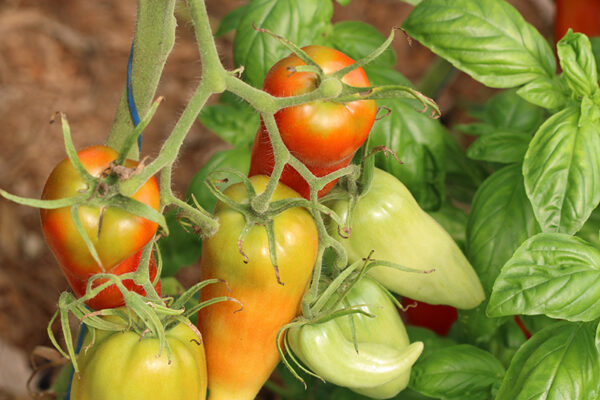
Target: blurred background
[{"x": 71, "y": 56}]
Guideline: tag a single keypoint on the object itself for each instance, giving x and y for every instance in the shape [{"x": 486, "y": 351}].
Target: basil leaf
[
  {"x": 417, "y": 140},
  {"x": 487, "y": 39},
  {"x": 590, "y": 231},
  {"x": 507, "y": 111},
  {"x": 301, "y": 21},
  {"x": 357, "y": 40},
  {"x": 457, "y": 372},
  {"x": 558, "y": 362},
  {"x": 231, "y": 21},
  {"x": 234, "y": 123},
  {"x": 578, "y": 63},
  {"x": 432, "y": 342},
  {"x": 453, "y": 220},
  {"x": 501, "y": 218},
  {"x": 501, "y": 147},
  {"x": 545, "y": 92},
  {"x": 379, "y": 75},
  {"x": 552, "y": 274},
  {"x": 562, "y": 172}
]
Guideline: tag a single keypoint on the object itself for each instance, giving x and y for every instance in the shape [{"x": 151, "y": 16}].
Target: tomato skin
[
  {"x": 388, "y": 220},
  {"x": 121, "y": 365},
  {"x": 437, "y": 317},
  {"x": 122, "y": 233},
  {"x": 111, "y": 297},
  {"x": 381, "y": 367},
  {"x": 580, "y": 15},
  {"x": 240, "y": 345},
  {"x": 324, "y": 135}
]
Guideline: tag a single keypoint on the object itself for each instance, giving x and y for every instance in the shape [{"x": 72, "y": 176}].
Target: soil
[{"x": 70, "y": 56}]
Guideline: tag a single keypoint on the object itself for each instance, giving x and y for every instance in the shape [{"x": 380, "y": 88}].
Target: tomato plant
[
  {"x": 115, "y": 234},
  {"x": 324, "y": 135},
  {"x": 241, "y": 346},
  {"x": 127, "y": 365}
]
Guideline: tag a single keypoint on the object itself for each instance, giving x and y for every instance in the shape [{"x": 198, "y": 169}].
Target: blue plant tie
[
  {"x": 135, "y": 117},
  {"x": 77, "y": 350}
]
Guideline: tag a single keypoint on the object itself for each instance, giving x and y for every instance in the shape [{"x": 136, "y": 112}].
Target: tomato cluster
[{"x": 267, "y": 261}]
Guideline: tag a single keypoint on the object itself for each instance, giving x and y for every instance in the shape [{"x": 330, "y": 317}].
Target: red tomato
[
  {"x": 439, "y": 318},
  {"x": 119, "y": 237},
  {"x": 324, "y": 135},
  {"x": 111, "y": 297},
  {"x": 580, "y": 15},
  {"x": 241, "y": 345}
]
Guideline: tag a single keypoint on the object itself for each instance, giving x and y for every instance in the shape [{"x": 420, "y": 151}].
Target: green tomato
[
  {"x": 123, "y": 365},
  {"x": 379, "y": 365},
  {"x": 388, "y": 221}
]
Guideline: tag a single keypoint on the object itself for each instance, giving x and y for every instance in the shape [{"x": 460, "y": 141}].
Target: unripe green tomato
[
  {"x": 388, "y": 221},
  {"x": 379, "y": 366},
  {"x": 122, "y": 365}
]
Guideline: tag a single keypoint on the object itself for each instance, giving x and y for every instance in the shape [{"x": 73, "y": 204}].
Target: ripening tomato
[
  {"x": 241, "y": 348},
  {"x": 437, "y": 317},
  {"x": 120, "y": 234},
  {"x": 125, "y": 365},
  {"x": 324, "y": 135},
  {"x": 111, "y": 297},
  {"x": 580, "y": 15}
]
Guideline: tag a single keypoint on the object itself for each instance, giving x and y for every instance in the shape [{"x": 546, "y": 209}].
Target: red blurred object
[
  {"x": 580, "y": 15},
  {"x": 438, "y": 318}
]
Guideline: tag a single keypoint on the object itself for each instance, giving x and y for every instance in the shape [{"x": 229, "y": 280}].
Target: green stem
[
  {"x": 154, "y": 39},
  {"x": 170, "y": 148}
]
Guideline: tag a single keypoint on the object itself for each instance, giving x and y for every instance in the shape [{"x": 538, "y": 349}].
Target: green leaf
[
  {"x": 301, "y": 21},
  {"x": 595, "y": 41},
  {"x": 559, "y": 362},
  {"x": 590, "y": 231},
  {"x": 578, "y": 63},
  {"x": 507, "y": 111},
  {"x": 457, "y": 372},
  {"x": 562, "y": 172},
  {"x": 501, "y": 147},
  {"x": 475, "y": 327},
  {"x": 545, "y": 92},
  {"x": 417, "y": 140},
  {"x": 432, "y": 342},
  {"x": 454, "y": 221},
  {"x": 487, "y": 39},
  {"x": 379, "y": 75},
  {"x": 357, "y": 40},
  {"x": 231, "y": 21},
  {"x": 552, "y": 274},
  {"x": 180, "y": 249},
  {"x": 343, "y": 2},
  {"x": 235, "y": 123},
  {"x": 463, "y": 176},
  {"x": 500, "y": 220},
  {"x": 237, "y": 158}
]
